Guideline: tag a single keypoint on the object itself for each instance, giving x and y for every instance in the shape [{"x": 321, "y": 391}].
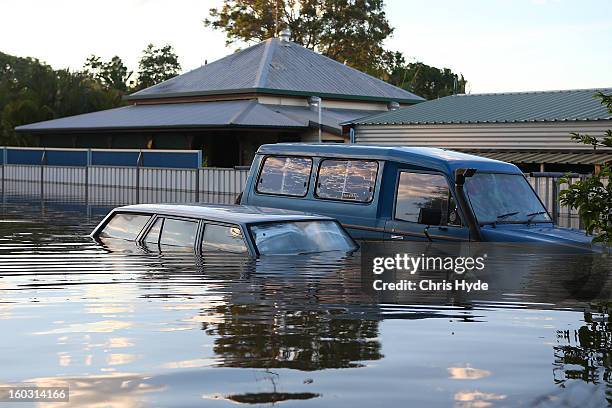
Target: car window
[
  {"x": 300, "y": 237},
  {"x": 284, "y": 176},
  {"x": 223, "y": 238},
  {"x": 125, "y": 226},
  {"x": 419, "y": 190},
  {"x": 348, "y": 180},
  {"x": 178, "y": 232}
]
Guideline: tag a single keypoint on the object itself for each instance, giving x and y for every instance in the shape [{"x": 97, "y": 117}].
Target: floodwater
[{"x": 123, "y": 328}]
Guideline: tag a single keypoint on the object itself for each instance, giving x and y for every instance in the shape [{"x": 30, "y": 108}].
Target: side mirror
[{"x": 430, "y": 216}]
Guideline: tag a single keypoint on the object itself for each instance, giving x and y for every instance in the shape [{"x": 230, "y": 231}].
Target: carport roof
[
  {"x": 515, "y": 107},
  {"x": 217, "y": 114}
]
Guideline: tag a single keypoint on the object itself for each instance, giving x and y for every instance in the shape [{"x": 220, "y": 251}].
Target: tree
[
  {"x": 349, "y": 31},
  {"x": 31, "y": 91},
  {"x": 423, "y": 80},
  {"x": 157, "y": 65},
  {"x": 112, "y": 74},
  {"x": 592, "y": 197}
]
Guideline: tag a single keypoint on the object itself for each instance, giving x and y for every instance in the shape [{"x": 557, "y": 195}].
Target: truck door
[{"x": 424, "y": 209}]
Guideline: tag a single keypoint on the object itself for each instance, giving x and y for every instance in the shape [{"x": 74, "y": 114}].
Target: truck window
[
  {"x": 223, "y": 238},
  {"x": 420, "y": 190},
  {"x": 347, "y": 180},
  {"x": 181, "y": 233},
  {"x": 284, "y": 176},
  {"x": 125, "y": 226}
]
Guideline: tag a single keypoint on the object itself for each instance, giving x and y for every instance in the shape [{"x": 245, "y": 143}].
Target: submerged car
[
  {"x": 252, "y": 231},
  {"x": 405, "y": 193}
]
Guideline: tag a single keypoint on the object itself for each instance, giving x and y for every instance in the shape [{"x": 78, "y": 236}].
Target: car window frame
[
  {"x": 341, "y": 200},
  {"x": 141, "y": 238},
  {"x": 261, "y": 168},
  {"x": 450, "y": 189}
]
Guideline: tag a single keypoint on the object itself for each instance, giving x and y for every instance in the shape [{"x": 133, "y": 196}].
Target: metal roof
[
  {"x": 239, "y": 113},
  {"x": 224, "y": 213},
  {"x": 545, "y": 106},
  {"x": 530, "y": 157},
  {"x": 278, "y": 67},
  {"x": 426, "y": 157}
]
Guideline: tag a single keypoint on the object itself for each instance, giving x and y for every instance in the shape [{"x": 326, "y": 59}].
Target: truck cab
[{"x": 404, "y": 193}]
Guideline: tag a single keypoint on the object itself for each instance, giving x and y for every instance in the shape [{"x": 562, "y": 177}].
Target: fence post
[
  {"x": 197, "y": 184},
  {"x": 138, "y": 164},
  {"x": 43, "y": 161},
  {"x": 555, "y": 203},
  {"x": 87, "y": 164},
  {"x": 3, "y": 167}
]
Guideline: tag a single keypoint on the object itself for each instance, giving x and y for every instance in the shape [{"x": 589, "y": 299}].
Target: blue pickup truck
[{"x": 405, "y": 193}]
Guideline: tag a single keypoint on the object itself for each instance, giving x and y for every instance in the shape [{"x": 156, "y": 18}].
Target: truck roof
[
  {"x": 434, "y": 158},
  {"x": 237, "y": 214}
]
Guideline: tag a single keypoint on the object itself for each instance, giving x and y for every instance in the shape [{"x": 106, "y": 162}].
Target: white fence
[{"x": 109, "y": 184}]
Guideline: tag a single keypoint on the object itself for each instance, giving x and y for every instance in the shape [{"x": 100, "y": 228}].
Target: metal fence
[{"x": 122, "y": 185}]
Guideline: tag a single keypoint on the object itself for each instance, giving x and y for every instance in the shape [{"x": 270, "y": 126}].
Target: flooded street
[{"x": 129, "y": 329}]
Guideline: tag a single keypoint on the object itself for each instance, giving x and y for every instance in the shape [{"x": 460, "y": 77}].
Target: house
[
  {"x": 529, "y": 129},
  {"x": 270, "y": 92}
]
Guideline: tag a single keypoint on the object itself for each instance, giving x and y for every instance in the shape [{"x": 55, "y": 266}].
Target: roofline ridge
[
  {"x": 264, "y": 64},
  {"x": 604, "y": 88}
]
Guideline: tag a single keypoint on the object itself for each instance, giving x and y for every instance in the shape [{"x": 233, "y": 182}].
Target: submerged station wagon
[
  {"x": 235, "y": 229},
  {"x": 405, "y": 193}
]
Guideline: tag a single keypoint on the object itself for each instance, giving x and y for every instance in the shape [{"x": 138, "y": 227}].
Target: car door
[{"x": 424, "y": 209}]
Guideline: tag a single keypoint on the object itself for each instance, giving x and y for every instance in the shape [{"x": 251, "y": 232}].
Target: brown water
[{"x": 127, "y": 329}]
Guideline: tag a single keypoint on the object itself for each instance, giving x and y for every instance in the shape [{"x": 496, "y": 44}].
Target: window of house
[
  {"x": 125, "y": 226},
  {"x": 284, "y": 176},
  {"x": 421, "y": 190},
  {"x": 348, "y": 180},
  {"x": 223, "y": 238}
]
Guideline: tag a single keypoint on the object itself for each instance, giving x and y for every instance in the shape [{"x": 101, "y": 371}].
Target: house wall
[{"x": 511, "y": 136}]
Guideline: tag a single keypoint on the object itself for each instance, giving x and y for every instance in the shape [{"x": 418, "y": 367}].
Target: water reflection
[{"x": 128, "y": 328}]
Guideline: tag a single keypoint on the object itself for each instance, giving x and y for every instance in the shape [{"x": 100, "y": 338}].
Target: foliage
[
  {"x": 31, "y": 91},
  {"x": 157, "y": 65},
  {"x": 593, "y": 195},
  {"x": 112, "y": 74},
  {"x": 422, "y": 79},
  {"x": 349, "y": 31}
]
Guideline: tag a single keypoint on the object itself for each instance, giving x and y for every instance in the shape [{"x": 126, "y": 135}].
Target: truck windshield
[
  {"x": 300, "y": 237},
  {"x": 504, "y": 198}
]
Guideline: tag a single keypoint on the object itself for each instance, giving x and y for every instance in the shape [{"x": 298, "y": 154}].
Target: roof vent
[
  {"x": 393, "y": 106},
  {"x": 285, "y": 35}
]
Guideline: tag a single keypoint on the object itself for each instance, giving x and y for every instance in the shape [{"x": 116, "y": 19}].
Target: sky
[{"x": 499, "y": 46}]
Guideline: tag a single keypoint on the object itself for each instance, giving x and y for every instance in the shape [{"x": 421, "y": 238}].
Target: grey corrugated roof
[
  {"x": 545, "y": 106},
  {"x": 514, "y": 156},
  {"x": 278, "y": 67},
  {"x": 240, "y": 113}
]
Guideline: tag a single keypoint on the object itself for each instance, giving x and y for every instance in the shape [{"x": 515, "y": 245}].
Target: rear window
[
  {"x": 300, "y": 237},
  {"x": 284, "y": 176},
  {"x": 347, "y": 180},
  {"x": 125, "y": 226}
]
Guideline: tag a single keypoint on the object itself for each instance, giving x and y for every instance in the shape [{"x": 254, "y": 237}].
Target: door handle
[{"x": 397, "y": 237}]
